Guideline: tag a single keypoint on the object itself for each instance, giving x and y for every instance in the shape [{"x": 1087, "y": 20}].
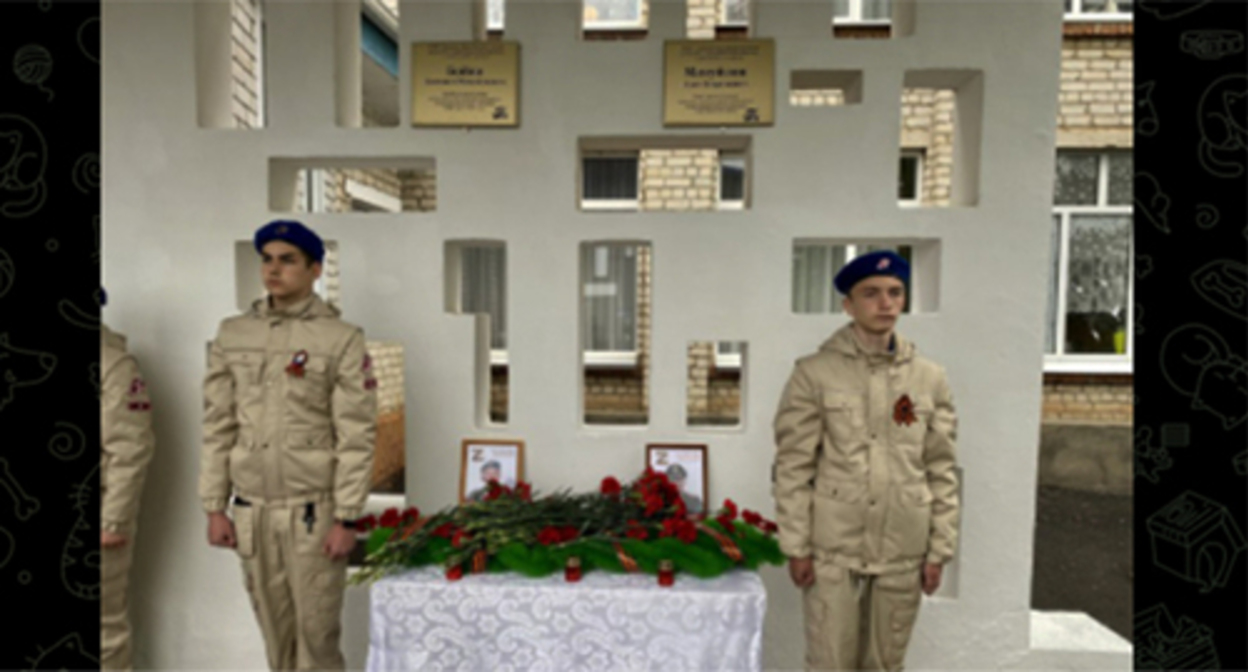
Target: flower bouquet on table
[{"x": 642, "y": 527}]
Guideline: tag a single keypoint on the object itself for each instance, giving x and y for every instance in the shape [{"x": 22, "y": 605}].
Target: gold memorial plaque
[
  {"x": 465, "y": 84},
  {"x": 719, "y": 83}
]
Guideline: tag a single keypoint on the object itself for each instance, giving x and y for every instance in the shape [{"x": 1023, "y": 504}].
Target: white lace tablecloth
[{"x": 489, "y": 622}]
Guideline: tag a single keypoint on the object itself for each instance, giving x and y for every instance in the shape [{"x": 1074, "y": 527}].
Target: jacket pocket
[
  {"x": 247, "y": 369},
  {"x": 839, "y": 519},
  {"x": 311, "y": 391},
  {"x": 245, "y": 530},
  {"x": 247, "y": 466},
  {"x": 843, "y": 417},
  {"x": 912, "y": 434},
  {"x": 909, "y": 523},
  {"x": 308, "y": 461}
]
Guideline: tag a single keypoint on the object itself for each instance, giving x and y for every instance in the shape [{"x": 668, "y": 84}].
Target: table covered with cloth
[{"x": 421, "y": 621}]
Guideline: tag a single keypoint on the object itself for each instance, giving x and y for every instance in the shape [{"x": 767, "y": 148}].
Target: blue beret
[
  {"x": 883, "y": 262},
  {"x": 292, "y": 232}
]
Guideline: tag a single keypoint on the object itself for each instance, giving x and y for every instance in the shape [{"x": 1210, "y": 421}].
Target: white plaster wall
[{"x": 177, "y": 197}]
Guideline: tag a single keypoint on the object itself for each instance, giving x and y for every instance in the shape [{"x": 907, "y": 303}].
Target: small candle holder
[
  {"x": 572, "y": 571},
  {"x": 667, "y": 573}
]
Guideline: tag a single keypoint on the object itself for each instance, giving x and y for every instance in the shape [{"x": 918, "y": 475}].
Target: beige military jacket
[
  {"x": 854, "y": 481},
  {"x": 273, "y": 432},
  {"x": 126, "y": 437}
]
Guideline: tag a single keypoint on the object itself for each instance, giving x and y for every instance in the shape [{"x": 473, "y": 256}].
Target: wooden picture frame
[
  {"x": 691, "y": 459},
  {"x": 506, "y": 455}
]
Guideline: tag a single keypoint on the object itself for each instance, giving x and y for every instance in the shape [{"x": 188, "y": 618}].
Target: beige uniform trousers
[
  {"x": 296, "y": 591},
  {"x": 114, "y": 606},
  {"x": 859, "y": 621}
]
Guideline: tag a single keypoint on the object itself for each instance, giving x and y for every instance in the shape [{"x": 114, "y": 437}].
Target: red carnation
[
  {"x": 411, "y": 515},
  {"x": 549, "y": 535},
  {"x": 688, "y": 533},
  {"x": 390, "y": 518},
  {"x": 459, "y": 538},
  {"x": 636, "y": 531},
  {"x": 568, "y": 533},
  {"x": 610, "y": 487},
  {"x": 680, "y": 509},
  {"x": 730, "y": 509},
  {"x": 366, "y": 523},
  {"x": 654, "y": 504},
  {"x": 751, "y": 518},
  {"x": 444, "y": 530},
  {"x": 726, "y": 523},
  {"x": 524, "y": 491},
  {"x": 770, "y": 527},
  {"x": 455, "y": 573}
]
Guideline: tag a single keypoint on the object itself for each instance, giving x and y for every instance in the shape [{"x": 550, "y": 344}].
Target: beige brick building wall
[
  {"x": 1088, "y": 401},
  {"x": 1096, "y": 103}
]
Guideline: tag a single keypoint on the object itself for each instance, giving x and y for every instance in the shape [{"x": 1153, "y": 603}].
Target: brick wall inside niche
[
  {"x": 390, "y": 456},
  {"x": 1088, "y": 399}
]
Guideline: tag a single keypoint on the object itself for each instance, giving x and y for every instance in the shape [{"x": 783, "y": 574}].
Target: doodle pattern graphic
[
  {"x": 1139, "y": 318},
  {"x": 87, "y": 172},
  {"x": 1143, "y": 266},
  {"x": 1224, "y": 284},
  {"x": 1222, "y": 118},
  {"x": 1160, "y": 644},
  {"x": 93, "y": 374},
  {"x": 1151, "y": 202},
  {"x": 1146, "y": 122},
  {"x": 67, "y": 654},
  {"x": 68, "y": 443},
  {"x": 1240, "y": 462},
  {"x": 23, "y": 158},
  {"x": 80, "y": 561},
  {"x": 77, "y": 316},
  {"x": 33, "y": 65},
  {"x": 1197, "y": 540},
  {"x": 7, "y": 546},
  {"x": 1150, "y": 460},
  {"x": 1211, "y": 45},
  {"x": 1207, "y": 216},
  {"x": 24, "y": 506},
  {"x": 21, "y": 368},
  {"x": 1165, "y": 10},
  {"x": 1196, "y": 361},
  {"x": 89, "y": 39},
  {"x": 8, "y": 273}
]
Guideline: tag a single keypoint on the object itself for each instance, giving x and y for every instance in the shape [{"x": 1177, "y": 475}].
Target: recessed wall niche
[
  {"x": 475, "y": 282},
  {"x": 942, "y": 113},
  {"x": 816, "y": 261},
  {"x": 873, "y": 19},
  {"x": 615, "y": 290},
  {"x": 230, "y": 63},
  {"x": 715, "y": 386},
  {"x": 352, "y": 185},
  {"x": 825, "y": 88},
  {"x": 664, "y": 173}
]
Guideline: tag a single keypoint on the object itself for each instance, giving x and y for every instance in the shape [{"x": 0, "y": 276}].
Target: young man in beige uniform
[
  {"x": 127, "y": 444},
  {"x": 289, "y": 425},
  {"x": 865, "y": 487}
]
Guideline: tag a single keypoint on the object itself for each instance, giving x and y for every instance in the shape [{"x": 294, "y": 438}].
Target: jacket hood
[{"x": 844, "y": 341}]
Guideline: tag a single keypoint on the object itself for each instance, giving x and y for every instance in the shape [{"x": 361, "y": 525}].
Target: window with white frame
[
  {"x": 609, "y": 182},
  {"x": 483, "y": 289},
  {"x": 815, "y": 265},
  {"x": 728, "y": 354},
  {"x": 1090, "y": 288},
  {"x": 734, "y": 13},
  {"x": 609, "y": 289},
  {"x": 862, "y": 12},
  {"x": 1099, "y": 10},
  {"x": 910, "y": 178},
  {"x": 731, "y": 182},
  {"x": 495, "y": 15},
  {"x": 613, "y": 15}
]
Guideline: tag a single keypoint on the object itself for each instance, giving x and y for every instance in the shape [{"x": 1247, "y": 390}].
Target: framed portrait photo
[
  {"x": 685, "y": 465},
  {"x": 486, "y": 460}
]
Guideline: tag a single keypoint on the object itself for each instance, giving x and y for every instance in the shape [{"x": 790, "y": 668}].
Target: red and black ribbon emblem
[
  {"x": 903, "y": 411},
  {"x": 295, "y": 368}
]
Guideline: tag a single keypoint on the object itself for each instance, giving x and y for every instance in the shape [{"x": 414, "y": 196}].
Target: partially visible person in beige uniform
[
  {"x": 289, "y": 424},
  {"x": 865, "y": 487},
  {"x": 127, "y": 444}
]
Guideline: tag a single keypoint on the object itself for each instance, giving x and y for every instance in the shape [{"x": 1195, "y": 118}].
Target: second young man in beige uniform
[
  {"x": 865, "y": 487},
  {"x": 289, "y": 426}
]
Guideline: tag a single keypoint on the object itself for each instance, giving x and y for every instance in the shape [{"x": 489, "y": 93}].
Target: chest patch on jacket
[
  {"x": 903, "y": 411},
  {"x": 295, "y": 368}
]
